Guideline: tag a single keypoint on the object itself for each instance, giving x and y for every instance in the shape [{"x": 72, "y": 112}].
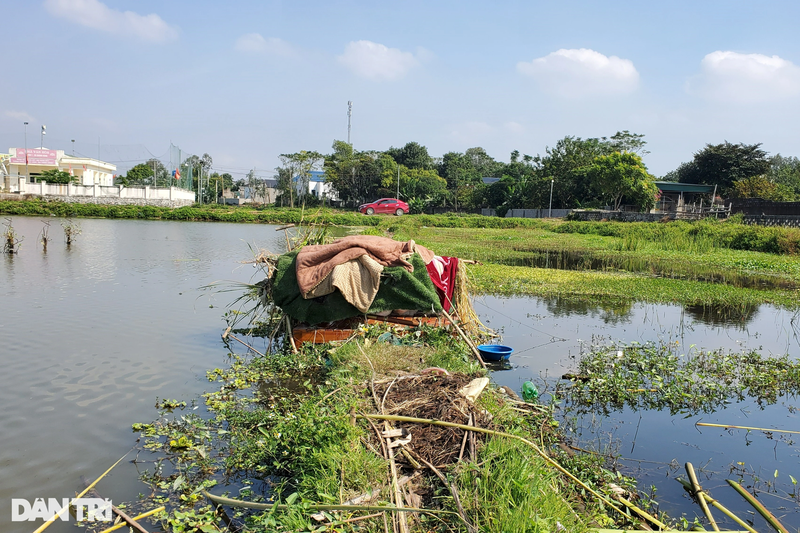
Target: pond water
[
  {"x": 90, "y": 336},
  {"x": 549, "y": 336}
]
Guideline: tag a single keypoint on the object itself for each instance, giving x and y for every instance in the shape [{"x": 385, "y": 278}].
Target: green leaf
[{"x": 291, "y": 498}]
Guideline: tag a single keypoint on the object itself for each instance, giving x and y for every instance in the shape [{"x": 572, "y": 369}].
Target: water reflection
[
  {"x": 723, "y": 315},
  {"x": 608, "y": 312},
  {"x": 549, "y": 337},
  {"x": 91, "y": 335}
]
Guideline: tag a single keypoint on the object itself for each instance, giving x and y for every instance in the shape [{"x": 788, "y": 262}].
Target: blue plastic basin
[{"x": 495, "y": 352}]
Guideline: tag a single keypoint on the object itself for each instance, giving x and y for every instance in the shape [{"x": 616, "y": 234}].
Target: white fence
[{"x": 117, "y": 194}]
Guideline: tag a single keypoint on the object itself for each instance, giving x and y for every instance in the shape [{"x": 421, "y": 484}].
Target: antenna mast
[{"x": 349, "y": 114}]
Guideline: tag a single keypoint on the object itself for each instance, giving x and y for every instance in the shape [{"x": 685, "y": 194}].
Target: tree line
[
  {"x": 578, "y": 173},
  {"x": 575, "y": 173}
]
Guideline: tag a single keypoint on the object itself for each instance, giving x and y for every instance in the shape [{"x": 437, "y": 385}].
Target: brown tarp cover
[{"x": 315, "y": 262}]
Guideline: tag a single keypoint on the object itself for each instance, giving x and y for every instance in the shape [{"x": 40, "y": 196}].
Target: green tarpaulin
[{"x": 399, "y": 289}]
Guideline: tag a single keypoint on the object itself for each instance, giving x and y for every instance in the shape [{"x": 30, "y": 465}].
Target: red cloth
[{"x": 442, "y": 271}]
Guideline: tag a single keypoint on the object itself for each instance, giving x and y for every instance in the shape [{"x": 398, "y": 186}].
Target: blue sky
[{"x": 247, "y": 81}]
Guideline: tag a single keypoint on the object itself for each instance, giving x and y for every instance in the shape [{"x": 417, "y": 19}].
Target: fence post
[{"x": 41, "y": 187}]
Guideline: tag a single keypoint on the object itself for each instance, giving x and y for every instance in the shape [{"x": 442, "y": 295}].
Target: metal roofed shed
[{"x": 687, "y": 200}]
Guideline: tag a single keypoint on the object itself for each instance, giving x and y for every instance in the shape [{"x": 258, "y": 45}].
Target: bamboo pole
[
  {"x": 500, "y": 434},
  {"x": 90, "y": 487},
  {"x": 398, "y": 496},
  {"x": 728, "y": 426},
  {"x": 715, "y": 503},
  {"x": 237, "y": 339},
  {"x": 466, "y": 339},
  {"x": 763, "y": 511},
  {"x": 137, "y": 517},
  {"x": 132, "y": 523},
  {"x": 697, "y": 490},
  {"x": 230, "y": 502},
  {"x": 289, "y": 333},
  {"x": 644, "y": 514}
]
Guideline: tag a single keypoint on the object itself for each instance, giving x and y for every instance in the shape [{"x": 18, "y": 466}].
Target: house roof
[
  {"x": 314, "y": 176},
  {"x": 672, "y": 186}
]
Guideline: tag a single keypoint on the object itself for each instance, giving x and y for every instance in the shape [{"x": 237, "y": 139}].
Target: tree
[
  {"x": 140, "y": 175},
  {"x": 785, "y": 172},
  {"x": 284, "y": 185},
  {"x": 162, "y": 177},
  {"x": 622, "y": 176},
  {"x": 564, "y": 164},
  {"x": 625, "y": 141},
  {"x": 412, "y": 155},
  {"x": 56, "y": 176},
  {"x": 723, "y": 164},
  {"x": 300, "y": 165},
  {"x": 483, "y": 163}
]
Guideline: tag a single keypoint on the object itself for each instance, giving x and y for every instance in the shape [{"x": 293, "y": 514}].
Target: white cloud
[
  {"x": 733, "y": 77},
  {"x": 96, "y": 15},
  {"x": 377, "y": 62},
  {"x": 577, "y": 73},
  {"x": 514, "y": 127},
  {"x": 21, "y": 116},
  {"x": 255, "y": 43}
]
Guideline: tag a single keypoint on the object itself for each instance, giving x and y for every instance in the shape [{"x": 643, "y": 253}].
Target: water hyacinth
[{"x": 657, "y": 376}]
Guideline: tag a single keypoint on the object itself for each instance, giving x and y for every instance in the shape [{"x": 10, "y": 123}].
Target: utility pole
[
  {"x": 44, "y": 132},
  {"x": 27, "y": 173},
  {"x": 73, "y": 147},
  {"x": 155, "y": 183},
  {"x": 349, "y": 114},
  {"x": 550, "y": 211}
]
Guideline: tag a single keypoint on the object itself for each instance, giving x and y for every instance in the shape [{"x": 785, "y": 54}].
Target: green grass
[
  {"x": 512, "y": 489},
  {"x": 294, "y": 429},
  {"x": 705, "y": 262}
]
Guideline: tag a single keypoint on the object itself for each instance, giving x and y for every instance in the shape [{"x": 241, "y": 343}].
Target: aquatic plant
[
  {"x": 44, "y": 236},
  {"x": 71, "y": 231},
  {"x": 11, "y": 240},
  {"x": 657, "y": 376}
]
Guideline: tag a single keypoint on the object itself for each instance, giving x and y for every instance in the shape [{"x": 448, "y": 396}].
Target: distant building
[
  {"x": 87, "y": 171},
  {"x": 317, "y": 186},
  {"x": 679, "y": 197}
]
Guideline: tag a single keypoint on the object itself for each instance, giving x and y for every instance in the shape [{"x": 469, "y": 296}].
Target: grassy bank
[
  {"x": 197, "y": 213},
  {"x": 291, "y": 429},
  {"x": 707, "y": 263},
  {"x": 649, "y": 273}
]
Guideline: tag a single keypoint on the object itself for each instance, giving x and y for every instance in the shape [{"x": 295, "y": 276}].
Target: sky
[{"x": 246, "y": 81}]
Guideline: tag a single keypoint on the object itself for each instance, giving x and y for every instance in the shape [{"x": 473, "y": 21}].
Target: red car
[{"x": 385, "y": 205}]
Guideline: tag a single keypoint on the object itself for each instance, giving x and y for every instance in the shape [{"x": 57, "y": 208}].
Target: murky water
[
  {"x": 653, "y": 446},
  {"x": 90, "y": 336}
]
